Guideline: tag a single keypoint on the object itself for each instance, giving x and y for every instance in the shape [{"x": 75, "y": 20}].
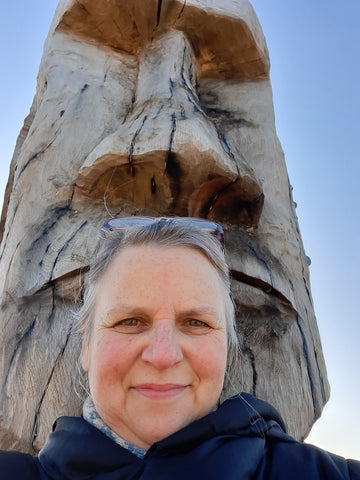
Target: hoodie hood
[{"x": 76, "y": 449}]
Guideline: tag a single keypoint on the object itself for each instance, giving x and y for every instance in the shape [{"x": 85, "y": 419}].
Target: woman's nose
[{"x": 163, "y": 350}]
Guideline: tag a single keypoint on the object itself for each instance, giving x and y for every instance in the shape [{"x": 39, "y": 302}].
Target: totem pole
[{"x": 150, "y": 108}]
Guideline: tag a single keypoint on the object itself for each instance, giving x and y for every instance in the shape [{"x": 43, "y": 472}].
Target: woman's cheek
[{"x": 211, "y": 354}]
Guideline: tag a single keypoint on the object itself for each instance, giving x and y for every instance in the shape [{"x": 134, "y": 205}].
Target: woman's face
[{"x": 156, "y": 357}]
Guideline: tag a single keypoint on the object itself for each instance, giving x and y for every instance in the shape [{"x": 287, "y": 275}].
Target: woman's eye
[
  {"x": 128, "y": 322},
  {"x": 197, "y": 323}
]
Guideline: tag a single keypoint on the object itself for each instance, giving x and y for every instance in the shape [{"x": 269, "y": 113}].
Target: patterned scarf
[{"x": 91, "y": 415}]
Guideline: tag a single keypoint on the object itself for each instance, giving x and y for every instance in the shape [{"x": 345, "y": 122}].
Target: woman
[{"x": 160, "y": 351}]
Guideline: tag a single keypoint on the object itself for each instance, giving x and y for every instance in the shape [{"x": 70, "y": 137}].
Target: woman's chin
[{"x": 155, "y": 432}]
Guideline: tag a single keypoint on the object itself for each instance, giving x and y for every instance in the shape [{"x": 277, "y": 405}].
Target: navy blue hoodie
[{"x": 243, "y": 439}]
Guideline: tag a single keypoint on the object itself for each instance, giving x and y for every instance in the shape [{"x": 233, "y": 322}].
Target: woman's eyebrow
[
  {"x": 126, "y": 309},
  {"x": 129, "y": 309},
  {"x": 202, "y": 311}
]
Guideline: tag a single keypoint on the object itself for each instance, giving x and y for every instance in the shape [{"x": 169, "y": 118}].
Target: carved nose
[{"x": 168, "y": 156}]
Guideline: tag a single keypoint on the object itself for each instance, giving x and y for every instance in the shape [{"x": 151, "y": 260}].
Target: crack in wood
[
  {"x": 5, "y": 244},
  {"x": 172, "y": 166},
  {"x": 323, "y": 392},
  {"x": 171, "y": 138},
  {"x": 65, "y": 246},
  {"x": 132, "y": 146},
  {"x": 131, "y": 109},
  {"x": 183, "y": 69},
  {"x": 153, "y": 185},
  {"x": 208, "y": 206},
  {"x": 53, "y": 306},
  {"x": 254, "y": 371},
  {"x": 172, "y": 87},
  {"x": 227, "y": 149},
  {"x": 158, "y": 15},
  {"x": 12, "y": 258},
  {"x": 16, "y": 348},
  {"x": 224, "y": 116},
  {"x": 196, "y": 106},
  {"x": 181, "y": 11},
  {"x": 267, "y": 268},
  {"x": 35, "y": 156},
  {"x": 58, "y": 213},
  {"x": 316, "y": 406},
  {"x": 191, "y": 92},
  {"x": 71, "y": 196},
  {"x": 35, "y": 427}
]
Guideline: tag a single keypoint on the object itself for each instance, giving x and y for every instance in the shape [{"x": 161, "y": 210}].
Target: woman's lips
[{"x": 155, "y": 391}]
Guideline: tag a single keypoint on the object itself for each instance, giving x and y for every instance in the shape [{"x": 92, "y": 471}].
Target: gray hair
[{"x": 166, "y": 234}]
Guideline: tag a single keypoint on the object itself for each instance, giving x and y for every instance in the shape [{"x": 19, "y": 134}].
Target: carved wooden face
[
  {"x": 156, "y": 108},
  {"x": 162, "y": 110}
]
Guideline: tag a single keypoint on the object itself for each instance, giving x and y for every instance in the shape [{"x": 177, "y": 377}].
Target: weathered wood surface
[{"x": 157, "y": 107}]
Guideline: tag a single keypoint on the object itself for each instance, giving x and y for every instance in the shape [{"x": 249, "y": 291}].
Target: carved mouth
[{"x": 260, "y": 308}]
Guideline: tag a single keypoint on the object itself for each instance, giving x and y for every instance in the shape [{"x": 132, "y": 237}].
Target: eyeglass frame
[{"x": 122, "y": 223}]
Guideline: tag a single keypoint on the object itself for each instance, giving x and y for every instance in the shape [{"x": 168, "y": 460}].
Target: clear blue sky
[{"x": 314, "y": 50}]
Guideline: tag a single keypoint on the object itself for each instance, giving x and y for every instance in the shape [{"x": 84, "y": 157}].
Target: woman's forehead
[
  {"x": 145, "y": 270},
  {"x": 157, "y": 282},
  {"x": 141, "y": 259}
]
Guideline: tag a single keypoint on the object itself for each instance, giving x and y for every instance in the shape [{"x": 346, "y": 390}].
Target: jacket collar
[
  {"x": 242, "y": 415},
  {"x": 76, "y": 449}
]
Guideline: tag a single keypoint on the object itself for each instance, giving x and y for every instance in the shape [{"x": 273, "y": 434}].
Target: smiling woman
[
  {"x": 145, "y": 357},
  {"x": 160, "y": 351}
]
